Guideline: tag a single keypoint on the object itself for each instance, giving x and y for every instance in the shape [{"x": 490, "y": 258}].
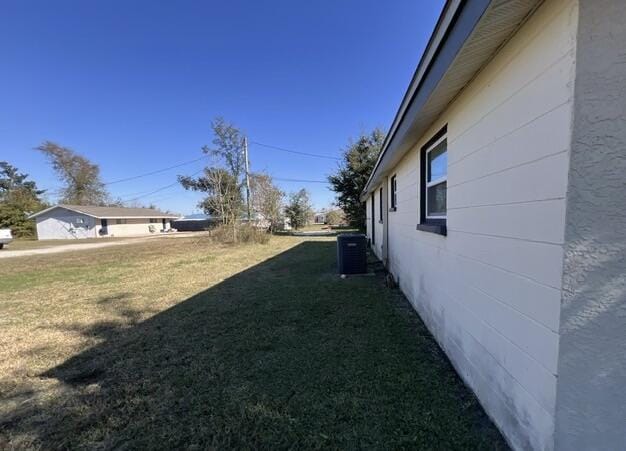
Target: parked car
[{"x": 5, "y": 237}]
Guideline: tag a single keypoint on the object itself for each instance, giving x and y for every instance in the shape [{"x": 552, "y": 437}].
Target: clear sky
[{"x": 134, "y": 85}]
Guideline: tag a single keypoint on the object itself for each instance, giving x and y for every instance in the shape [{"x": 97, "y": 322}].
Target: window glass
[
  {"x": 437, "y": 199},
  {"x": 438, "y": 162}
]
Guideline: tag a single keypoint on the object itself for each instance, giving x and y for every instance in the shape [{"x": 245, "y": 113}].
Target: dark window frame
[
  {"x": 393, "y": 190},
  {"x": 373, "y": 218},
  {"x": 426, "y": 224},
  {"x": 380, "y": 205}
]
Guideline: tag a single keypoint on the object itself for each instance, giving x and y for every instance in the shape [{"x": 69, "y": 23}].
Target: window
[
  {"x": 393, "y": 190},
  {"x": 380, "y": 206},
  {"x": 436, "y": 176},
  {"x": 80, "y": 222},
  {"x": 153, "y": 221},
  {"x": 121, "y": 221},
  {"x": 433, "y": 185}
]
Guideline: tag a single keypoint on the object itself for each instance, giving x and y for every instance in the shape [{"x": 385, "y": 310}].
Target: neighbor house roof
[
  {"x": 466, "y": 37},
  {"x": 110, "y": 212}
]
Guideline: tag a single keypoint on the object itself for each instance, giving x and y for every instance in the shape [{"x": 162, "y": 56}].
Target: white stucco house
[
  {"x": 63, "y": 222},
  {"x": 498, "y": 203},
  {"x": 319, "y": 217}
]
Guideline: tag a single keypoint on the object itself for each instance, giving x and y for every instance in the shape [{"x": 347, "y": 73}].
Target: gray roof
[{"x": 111, "y": 212}]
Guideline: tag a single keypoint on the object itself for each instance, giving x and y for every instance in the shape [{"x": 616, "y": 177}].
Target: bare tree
[
  {"x": 222, "y": 180},
  {"x": 81, "y": 177},
  {"x": 223, "y": 199},
  {"x": 267, "y": 198},
  {"x": 335, "y": 217},
  {"x": 227, "y": 146},
  {"x": 299, "y": 210}
]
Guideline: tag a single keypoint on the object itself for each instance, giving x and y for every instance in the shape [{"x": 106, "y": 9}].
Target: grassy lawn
[{"x": 182, "y": 343}]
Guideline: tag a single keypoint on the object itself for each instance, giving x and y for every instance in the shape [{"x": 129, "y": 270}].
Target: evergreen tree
[
  {"x": 352, "y": 175},
  {"x": 19, "y": 197}
]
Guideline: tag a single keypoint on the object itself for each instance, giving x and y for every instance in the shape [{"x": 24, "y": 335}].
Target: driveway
[{"x": 56, "y": 249}]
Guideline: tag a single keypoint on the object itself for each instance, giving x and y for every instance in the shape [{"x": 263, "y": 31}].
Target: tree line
[{"x": 222, "y": 182}]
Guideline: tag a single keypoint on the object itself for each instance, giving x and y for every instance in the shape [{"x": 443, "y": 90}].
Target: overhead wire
[
  {"x": 160, "y": 189},
  {"x": 158, "y": 171},
  {"x": 297, "y": 152}
]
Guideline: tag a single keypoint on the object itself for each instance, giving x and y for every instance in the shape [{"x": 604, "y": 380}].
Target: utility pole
[{"x": 245, "y": 153}]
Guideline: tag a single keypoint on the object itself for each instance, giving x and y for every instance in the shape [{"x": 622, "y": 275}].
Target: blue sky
[{"x": 134, "y": 85}]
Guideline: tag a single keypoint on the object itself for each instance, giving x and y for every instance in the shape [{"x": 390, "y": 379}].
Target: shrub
[
  {"x": 244, "y": 234},
  {"x": 251, "y": 234}
]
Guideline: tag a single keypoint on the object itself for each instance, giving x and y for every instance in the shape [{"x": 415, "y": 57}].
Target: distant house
[
  {"x": 498, "y": 203},
  {"x": 319, "y": 217},
  {"x": 283, "y": 224},
  {"x": 79, "y": 221}
]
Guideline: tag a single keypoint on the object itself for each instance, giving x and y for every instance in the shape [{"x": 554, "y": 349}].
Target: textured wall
[
  {"x": 133, "y": 227},
  {"x": 378, "y": 227},
  {"x": 490, "y": 292},
  {"x": 60, "y": 224},
  {"x": 591, "y": 393}
]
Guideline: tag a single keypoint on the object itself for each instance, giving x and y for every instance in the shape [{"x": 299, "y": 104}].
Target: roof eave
[
  {"x": 466, "y": 37},
  {"x": 82, "y": 212}
]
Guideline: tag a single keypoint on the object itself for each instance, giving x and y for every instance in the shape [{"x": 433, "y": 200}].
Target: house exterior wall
[
  {"x": 490, "y": 291},
  {"x": 368, "y": 218},
  {"x": 62, "y": 224},
  {"x": 591, "y": 395},
  {"x": 377, "y": 247},
  {"x": 133, "y": 227}
]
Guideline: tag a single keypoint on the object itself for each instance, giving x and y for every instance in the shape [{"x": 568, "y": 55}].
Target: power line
[
  {"x": 160, "y": 189},
  {"x": 158, "y": 171},
  {"x": 282, "y": 149},
  {"x": 299, "y": 180},
  {"x": 197, "y": 172}
]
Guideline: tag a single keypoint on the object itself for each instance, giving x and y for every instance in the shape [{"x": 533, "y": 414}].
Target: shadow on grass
[{"x": 285, "y": 354}]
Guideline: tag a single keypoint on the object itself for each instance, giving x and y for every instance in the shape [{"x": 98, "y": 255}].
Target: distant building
[
  {"x": 194, "y": 223},
  {"x": 319, "y": 217},
  {"x": 63, "y": 222}
]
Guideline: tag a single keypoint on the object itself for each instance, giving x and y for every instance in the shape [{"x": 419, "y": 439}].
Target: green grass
[{"x": 204, "y": 346}]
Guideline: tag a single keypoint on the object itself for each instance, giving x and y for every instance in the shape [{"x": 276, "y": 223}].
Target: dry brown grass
[
  {"x": 49, "y": 303},
  {"x": 188, "y": 344}
]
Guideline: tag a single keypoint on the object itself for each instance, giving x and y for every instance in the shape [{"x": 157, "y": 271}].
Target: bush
[
  {"x": 251, "y": 234},
  {"x": 245, "y": 234}
]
